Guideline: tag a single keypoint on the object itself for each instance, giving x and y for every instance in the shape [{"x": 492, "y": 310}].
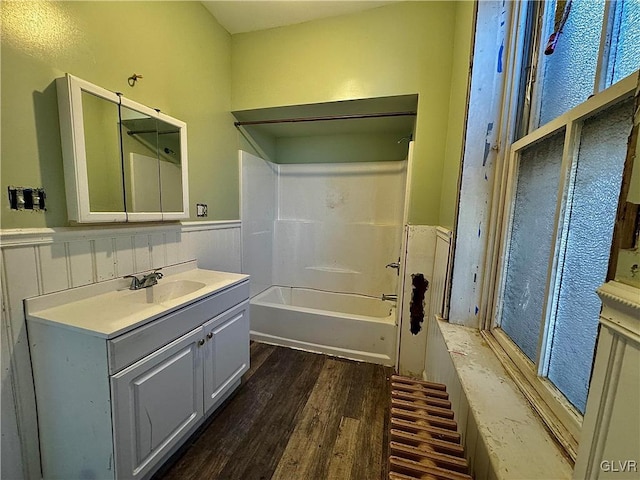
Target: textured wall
[
  {"x": 180, "y": 49},
  {"x": 398, "y": 49}
]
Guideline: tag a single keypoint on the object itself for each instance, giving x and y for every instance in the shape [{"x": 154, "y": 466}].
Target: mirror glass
[
  {"x": 102, "y": 149},
  {"x": 170, "y": 165},
  {"x": 141, "y": 164}
]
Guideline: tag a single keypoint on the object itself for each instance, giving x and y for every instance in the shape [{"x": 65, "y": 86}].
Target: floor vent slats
[{"x": 424, "y": 441}]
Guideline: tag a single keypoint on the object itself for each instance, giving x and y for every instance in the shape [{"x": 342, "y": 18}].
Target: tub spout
[{"x": 393, "y": 297}]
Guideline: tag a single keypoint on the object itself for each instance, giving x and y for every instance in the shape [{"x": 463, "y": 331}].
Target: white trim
[
  {"x": 43, "y": 236},
  {"x": 69, "y": 91},
  {"x": 621, "y": 309},
  {"x": 39, "y": 236},
  {"x": 443, "y": 233},
  {"x": 70, "y": 111},
  {"x": 210, "y": 225},
  {"x": 557, "y": 412},
  {"x": 507, "y": 123},
  {"x": 564, "y": 197},
  {"x": 618, "y": 92}
]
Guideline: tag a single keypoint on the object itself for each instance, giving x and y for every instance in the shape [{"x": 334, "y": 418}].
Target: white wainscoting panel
[
  {"x": 53, "y": 267},
  {"x": 105, "y": 258},
  {"x": 439, "y": 287},
  {"x": 217, "y": 249},
  {"x": 11, "y": 450},
  {"x": 124, "y": 263},
  {"x": 420, "y": 256},
  {"x": 610, "y": 446},
  {"x": 80, "y": 263},
  {"x": 39, "y": 261}
]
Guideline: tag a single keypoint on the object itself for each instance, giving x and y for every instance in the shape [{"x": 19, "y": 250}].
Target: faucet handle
[
  {"x": 158, "y": 273},
  {"x": 135, "y": 282},
  {"x": 395, "y": 265}
]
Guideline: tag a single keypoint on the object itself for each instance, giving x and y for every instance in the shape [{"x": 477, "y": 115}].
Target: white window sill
[{"x": 515, "y": 439}]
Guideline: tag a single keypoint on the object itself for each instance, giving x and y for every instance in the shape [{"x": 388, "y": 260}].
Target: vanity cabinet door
[
  {"x": 156, "y": 401},
  {"x": 226, "y": 354}
]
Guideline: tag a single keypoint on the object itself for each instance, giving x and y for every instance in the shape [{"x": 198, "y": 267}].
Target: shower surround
[{"x": 324, "y": 227}]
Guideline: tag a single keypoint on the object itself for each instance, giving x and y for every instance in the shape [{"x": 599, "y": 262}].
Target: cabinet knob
[
  {"x": 209, "y": 335},
  {"x": 201, "y": 342}
]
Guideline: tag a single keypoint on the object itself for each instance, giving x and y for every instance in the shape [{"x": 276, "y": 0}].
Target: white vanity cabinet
[
  {"x": 162, "y": 397},
  {"x": 116, "y": 406},
  {"x": 226, "y": 353},
  {"x": 156, "y": 402}
]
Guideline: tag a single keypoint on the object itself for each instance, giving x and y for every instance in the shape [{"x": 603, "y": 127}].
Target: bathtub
[{"x": 349, "y": 326}]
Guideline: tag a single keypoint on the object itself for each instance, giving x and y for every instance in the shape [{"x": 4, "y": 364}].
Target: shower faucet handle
[{"x": 395, "y": 265}]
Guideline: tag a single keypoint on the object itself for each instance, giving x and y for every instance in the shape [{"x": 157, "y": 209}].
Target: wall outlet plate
[{"x": 201, "y": 209}]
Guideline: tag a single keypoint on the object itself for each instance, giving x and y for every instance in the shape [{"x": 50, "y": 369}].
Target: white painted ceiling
[{"x": 238, "y": 16}]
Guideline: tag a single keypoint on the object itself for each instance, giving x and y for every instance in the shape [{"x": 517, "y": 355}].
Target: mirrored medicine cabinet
[{"x": 123, "y": 161}]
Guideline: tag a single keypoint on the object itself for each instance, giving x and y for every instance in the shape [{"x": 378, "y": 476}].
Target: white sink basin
[{"x": 164, "y": 292}]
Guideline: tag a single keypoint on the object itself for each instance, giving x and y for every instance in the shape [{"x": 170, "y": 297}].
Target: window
[
  {"x": 560, "y": 194},
  {"x": 568, "y": 74},
  {"x": 598, "y": 44}
]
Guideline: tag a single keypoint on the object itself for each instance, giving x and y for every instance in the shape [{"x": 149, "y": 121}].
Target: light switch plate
[{"x": 201, "y": 209}]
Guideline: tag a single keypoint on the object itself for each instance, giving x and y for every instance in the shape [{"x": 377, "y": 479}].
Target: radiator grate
[{"x": 424, "y": 438}]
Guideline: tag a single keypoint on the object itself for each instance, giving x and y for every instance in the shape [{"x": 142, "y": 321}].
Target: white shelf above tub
[{"x": 371, "y": 129}]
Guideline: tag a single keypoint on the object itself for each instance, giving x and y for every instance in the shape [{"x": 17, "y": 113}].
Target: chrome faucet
[
  {"x": 145, "y": 281},
  {"x": 393, "y": 297}
]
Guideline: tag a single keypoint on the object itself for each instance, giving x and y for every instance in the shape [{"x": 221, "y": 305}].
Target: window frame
[{"x": 564, "y": 420}]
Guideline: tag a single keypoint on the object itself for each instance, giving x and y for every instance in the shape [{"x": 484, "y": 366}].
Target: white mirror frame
[{"x": 70, "y": 90}]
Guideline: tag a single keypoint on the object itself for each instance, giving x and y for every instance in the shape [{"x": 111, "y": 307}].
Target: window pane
[
  {"x": 569, "y": 73},
  {"x": 531, "y": 242},
  {"x": 625, "y": 41},
  {"x": 591, "y": 214}
]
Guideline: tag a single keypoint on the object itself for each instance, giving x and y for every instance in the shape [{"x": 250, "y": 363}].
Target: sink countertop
[{"x": 107, "y": 310}]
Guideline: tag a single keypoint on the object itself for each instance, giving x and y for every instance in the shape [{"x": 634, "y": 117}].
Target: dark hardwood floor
[{"x": 296, "y": 416}]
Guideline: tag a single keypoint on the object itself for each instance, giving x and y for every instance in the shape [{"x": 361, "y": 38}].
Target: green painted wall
[
  {"x": 199, "y": 73},
  {"x": 403, "y": 48},
  {"x": 462, "y": 43},
  {"x": 353, "y": 147},
  {"x": 184, "y": 55}
]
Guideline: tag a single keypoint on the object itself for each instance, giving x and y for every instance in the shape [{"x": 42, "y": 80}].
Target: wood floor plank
[
  {"x": 300, "y": 458},
  {"x": 344, "y": 449},
  {"x": 259, "y": 353},
  {"x": 334, "y": 418},
  {"x": 258, "y": 455},
  {"x": 297, "y": 415},
  {"x": 210, "y": 453},
  {"x": 357, "y": 388},
  {"x": 373, "y": 433}
]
